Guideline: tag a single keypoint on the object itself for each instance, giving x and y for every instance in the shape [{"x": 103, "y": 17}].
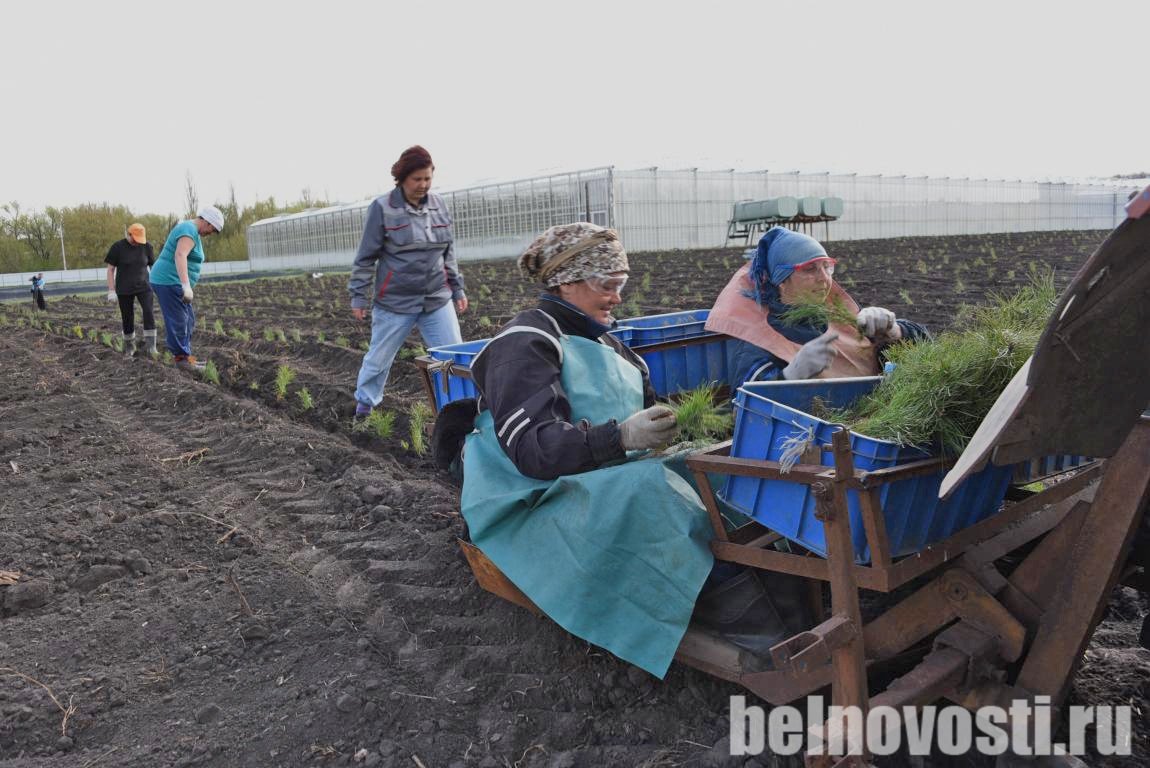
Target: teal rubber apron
[{"x": 617, "y": 555}]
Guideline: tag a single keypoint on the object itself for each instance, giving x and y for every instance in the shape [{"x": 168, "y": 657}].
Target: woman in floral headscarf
[{"x": 612, "y": 545}]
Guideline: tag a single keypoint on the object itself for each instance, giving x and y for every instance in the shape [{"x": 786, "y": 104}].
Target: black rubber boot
[{"x": 756, "y": 610}]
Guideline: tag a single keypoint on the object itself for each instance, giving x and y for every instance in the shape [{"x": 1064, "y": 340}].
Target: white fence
[{"x": 100, "y": 274}]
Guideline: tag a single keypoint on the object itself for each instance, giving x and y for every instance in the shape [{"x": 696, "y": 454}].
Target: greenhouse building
[{"x": 658, "y": 209}]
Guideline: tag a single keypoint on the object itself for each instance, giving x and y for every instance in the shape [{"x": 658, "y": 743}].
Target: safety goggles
[
  {"x": 601, "y": 283},
  {"x": 819, "y": 264}
]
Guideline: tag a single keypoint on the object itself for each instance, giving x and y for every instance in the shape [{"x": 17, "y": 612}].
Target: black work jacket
[{"x": 518, "y": 377}]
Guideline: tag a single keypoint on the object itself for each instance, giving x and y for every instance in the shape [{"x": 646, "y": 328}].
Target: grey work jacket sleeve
[
  {"x": 370, "y": 250},
  {"x": 451, "y": 269}
]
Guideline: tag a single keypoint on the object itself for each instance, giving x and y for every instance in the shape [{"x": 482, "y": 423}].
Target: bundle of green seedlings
[
  {"x": 940, "y": 390},
  {"x": 700, "y": 419},
  {"x": 818, "y": 313}
]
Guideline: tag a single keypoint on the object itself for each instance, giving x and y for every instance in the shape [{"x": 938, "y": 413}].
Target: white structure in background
[{"x": 657, "y": 209}]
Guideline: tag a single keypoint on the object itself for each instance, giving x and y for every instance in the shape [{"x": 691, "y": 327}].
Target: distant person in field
[
  {"x": 789, "y": 270},
  {"x": 405, "y": 273},
  {"x": 560, "y": 492},
  {"x": 128, "y": 263},
  {"x": 175, "y": 273},
  {"x": 37, "y": 281}
]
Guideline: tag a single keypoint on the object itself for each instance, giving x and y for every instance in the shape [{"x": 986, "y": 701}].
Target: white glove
[
  {"x": 112, "y": 296},
  {"x": 876, "y": 321},
  {"x": 812, "y": 358},
  {"x": 654, "y": 427},
  {"x": 187, "y": 292}
]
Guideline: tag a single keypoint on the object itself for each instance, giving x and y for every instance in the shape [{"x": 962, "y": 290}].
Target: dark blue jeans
[{"x": 179, "y": 318}]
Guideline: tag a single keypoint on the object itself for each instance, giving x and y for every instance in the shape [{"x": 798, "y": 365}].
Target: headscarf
[
  {"x": 568, "y": 253},
  {"x": 780, "y": 251}
]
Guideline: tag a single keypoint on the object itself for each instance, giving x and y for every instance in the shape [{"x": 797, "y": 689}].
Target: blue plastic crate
[
  {"x": 655, "y": 329},
  {"x": 679, "y": 369},
  {"x": 682, "y": 368},
  {"x": 915, "y": 517},
  {"x": 623, "y": 333},
  {"x": 458, "y": 387}
]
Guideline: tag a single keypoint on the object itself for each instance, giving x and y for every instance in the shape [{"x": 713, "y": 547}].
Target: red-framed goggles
[
  {"x": 601, "y": 283},
  {"x": 817, "y": 264}
]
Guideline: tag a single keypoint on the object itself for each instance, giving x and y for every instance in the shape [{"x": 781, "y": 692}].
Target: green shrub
[
  {"x": 210, "y": 373},
  {"x": 218, "y": 327}
]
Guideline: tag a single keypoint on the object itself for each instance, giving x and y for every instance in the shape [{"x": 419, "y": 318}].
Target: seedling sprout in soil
[
  {"x": 305, "y": 399},
  {"x": 379, "y": 423},
  {"x": 210, "y": 373},
  {"x": 284, "y": 376},
  {"x": 419, "y": 414}
]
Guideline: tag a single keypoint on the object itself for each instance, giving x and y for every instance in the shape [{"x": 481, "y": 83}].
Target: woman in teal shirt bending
[{"x": 175, "y": 273}]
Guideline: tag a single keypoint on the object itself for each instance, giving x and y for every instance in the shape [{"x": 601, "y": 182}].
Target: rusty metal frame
[
  {"x": 883, "y": 574},
  {"x": 982, "y": 620}
]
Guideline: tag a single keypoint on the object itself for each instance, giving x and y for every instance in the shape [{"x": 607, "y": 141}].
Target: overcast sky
[{"x": 118, "y": 101}]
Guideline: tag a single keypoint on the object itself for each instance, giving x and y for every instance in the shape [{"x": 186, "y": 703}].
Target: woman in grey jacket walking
[{"x": 407, "y": 261}]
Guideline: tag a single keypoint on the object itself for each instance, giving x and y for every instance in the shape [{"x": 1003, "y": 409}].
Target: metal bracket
[
  {"x": 977, "y": 606},
  {"x": 811, "y": 649}
]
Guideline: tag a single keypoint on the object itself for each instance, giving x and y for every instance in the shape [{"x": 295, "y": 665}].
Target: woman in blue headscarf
[{"x": 790, "y": 269}]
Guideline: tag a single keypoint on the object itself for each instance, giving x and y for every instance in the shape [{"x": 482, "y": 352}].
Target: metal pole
[{"x": 63, "y": 255}]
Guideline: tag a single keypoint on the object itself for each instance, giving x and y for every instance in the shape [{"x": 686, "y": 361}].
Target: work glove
[
  {"x": 111, "y": 296},
  {"x": 876, "y": 321},
  {"x": 187, "y": 292},
  {"x": 654, "y": 427},
  {"x": 812, "y": 358}
]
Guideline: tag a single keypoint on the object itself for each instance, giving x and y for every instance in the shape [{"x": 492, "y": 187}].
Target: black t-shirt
[{"x": 131, "y": 261}]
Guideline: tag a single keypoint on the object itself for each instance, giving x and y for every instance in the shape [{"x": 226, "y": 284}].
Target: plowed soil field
[{"x": 208, "y": 574}]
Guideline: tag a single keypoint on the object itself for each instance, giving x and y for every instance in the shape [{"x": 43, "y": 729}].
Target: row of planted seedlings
[
  {"x": 408, "y": 428},
  {"x": 292, "y": 370}
]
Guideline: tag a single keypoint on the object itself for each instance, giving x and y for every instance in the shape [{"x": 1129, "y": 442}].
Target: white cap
[{"x": 213, "y": 216}]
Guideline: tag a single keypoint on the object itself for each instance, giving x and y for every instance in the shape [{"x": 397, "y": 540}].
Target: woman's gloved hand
[
  {"x": 187, "y": 294},
  {"x": 812, "y": 358},
  {"x": 112, "y": 296},
  {"x": 878, "y": 323},
  {"x": 653, "y": 427}
]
